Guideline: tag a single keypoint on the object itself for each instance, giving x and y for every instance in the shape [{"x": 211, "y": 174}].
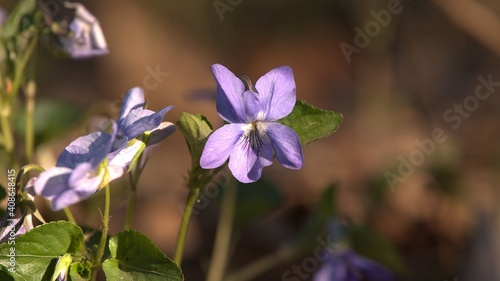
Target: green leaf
[
  {"x": 12, "y": 26},
  {"x": 135, "y": 257},
  {"x": 51, "y": 119},
  {"x": 312, "y": 123},
  {"x": 36, "y": 252}
]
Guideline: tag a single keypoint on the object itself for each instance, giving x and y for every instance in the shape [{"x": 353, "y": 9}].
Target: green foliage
[
  {"x": 318, "y": 220},
  {"x": 80, "y": 271},
  {"x": 16, "y": 21},
  {"x": 312, "y": 123},
  {"x": 37, "y": 251},
  {"x": 52, "y": 119},
  {"x": 135, "y": 257},
  {"x": 370, "y": 244},
  {"x": 255, "y": 200}
]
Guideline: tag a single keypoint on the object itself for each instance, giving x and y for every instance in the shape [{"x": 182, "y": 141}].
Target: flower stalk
[
  {"x": 30, "y": 93},
  {"x": 104, "y": 237},
  {"x": 186, "y": 217},
  {"x": 134, "y": 179},
  {"x": 220, "y": 254}
]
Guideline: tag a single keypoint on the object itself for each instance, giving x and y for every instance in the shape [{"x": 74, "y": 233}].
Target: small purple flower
[
  {"x": 253, "y": 133},
  {"x": 76, "y": 32},
  {"x": 92, "y": 161},
  {"x": 79, "y": 172},
  {"x": 134, "y": 120},
  {"x": 346, "y": 265}
]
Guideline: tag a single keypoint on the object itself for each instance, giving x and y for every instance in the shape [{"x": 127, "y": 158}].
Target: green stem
[
  {"x": 8, "y": 137},
  {"x": 134, "y": 179},
  {"x": 69, "y": 215},
  {"x": 19, "y": 72},
  {"x": 104, "y": 237},
  {"x": 130, "y": 209},
  {"x": 30, "y": 109},
  {"x": 256, "y": 268},
  {"x": 220, "y": 254},
  {"x": 186, "y": 217}
]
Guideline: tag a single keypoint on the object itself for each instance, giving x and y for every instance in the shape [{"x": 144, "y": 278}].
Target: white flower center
[{"x": 255, "y": 134}]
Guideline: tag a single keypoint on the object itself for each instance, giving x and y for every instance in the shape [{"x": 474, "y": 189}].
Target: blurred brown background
[{"x": 443, "y": 218}]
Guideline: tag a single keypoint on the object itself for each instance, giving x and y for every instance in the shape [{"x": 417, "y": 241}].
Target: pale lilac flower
[
  {"x": 87, "y": 38},
  {"x": 346, "y": 265},
  {"x": 76, "y": 33},
  {"x": 78, "y": 173},
  {"x": 3, "y": 16},
  {"x": 92, "y": 161},
  {"x": 133, "y": 121},
  {"x": 253, "y": 133}
]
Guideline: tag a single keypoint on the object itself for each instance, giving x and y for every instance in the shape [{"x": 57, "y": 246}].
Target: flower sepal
[
  {"x": 102, "y": 172},
  {"x": 196, "y": 129},
  {"x": 139, "y": 145},
  {"x": 62, "y": 267}
]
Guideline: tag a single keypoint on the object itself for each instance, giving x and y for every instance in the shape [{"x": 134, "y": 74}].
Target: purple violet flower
[
  {"x": 87, "y": 38},
  {"x": 346, "y": 265},
  {"x": 134, "y": 120},
  {"x": 79, "y": 172},
  {"x": 92, "y": 161},
  {"x": 253, "y": 133}
]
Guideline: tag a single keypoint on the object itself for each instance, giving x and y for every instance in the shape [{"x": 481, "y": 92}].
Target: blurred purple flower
[
  {"x": 3, "y": 16},
  {"x": 87, "y": 38},
  {"x": 346, "y": 265},
  {"x": 11, "y": 227},
  {"x": 75, "y": 32},
  {"x": 252, "y": 135}
]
